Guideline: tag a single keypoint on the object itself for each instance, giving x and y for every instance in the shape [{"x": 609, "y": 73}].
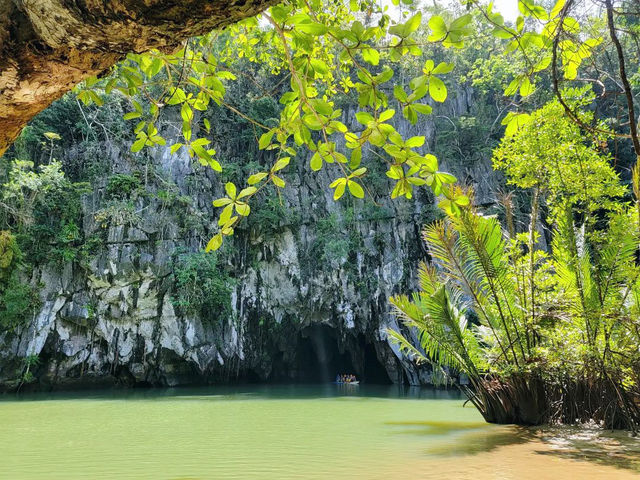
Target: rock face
[
  {"x": 49, "y": 46},
  {"x": 309, "y": 298}
]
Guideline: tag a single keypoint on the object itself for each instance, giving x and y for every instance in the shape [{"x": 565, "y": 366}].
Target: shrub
[
  {"x": 122, "y": 186},
  {"x": 117, "y": 213},
  {"x": 44, "y": 208},
  {"x": 18, "y": 300},
  {"x": 269, "y": 216},
  {"x": 335, "y": 243},
  {"x": 9, "y": 254},
  {"x": 201, "y": 287}
]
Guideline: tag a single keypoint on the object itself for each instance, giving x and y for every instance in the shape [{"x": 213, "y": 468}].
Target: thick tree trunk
[{"x": 48, "y": 46}]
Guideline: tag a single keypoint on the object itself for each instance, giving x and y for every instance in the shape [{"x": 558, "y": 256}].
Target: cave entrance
[
  {"x": 319, "y": 359},
  {"x": 374, "y": 371}
]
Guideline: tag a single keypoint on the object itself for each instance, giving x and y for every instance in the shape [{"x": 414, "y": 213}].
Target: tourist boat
[{"x": 355, "y": 382}]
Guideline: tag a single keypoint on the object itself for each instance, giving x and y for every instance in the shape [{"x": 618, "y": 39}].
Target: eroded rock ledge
[{"x": 49, "y": 46}]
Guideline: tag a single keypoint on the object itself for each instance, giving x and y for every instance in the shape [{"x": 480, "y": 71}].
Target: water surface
[{"x": 289, "y": 432}]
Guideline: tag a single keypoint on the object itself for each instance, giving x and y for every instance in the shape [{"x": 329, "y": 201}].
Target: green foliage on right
[
  {"x": 542, "y": 336},
  {"x": 551, "y": 153}
]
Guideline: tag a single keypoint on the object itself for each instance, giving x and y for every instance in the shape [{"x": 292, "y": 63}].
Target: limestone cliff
[{"x": 309, "y": 291}]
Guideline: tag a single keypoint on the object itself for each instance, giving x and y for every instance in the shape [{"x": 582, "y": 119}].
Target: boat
[{"x": 356, "y": 382}]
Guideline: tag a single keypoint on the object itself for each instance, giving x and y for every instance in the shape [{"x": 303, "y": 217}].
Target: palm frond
[{"x": 440, "y": 327}]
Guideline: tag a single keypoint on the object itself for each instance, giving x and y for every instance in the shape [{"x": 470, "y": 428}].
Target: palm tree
[{"x": 550, "y": 338}]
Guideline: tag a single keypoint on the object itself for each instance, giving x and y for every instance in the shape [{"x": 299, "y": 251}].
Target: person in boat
[{"x": 338, "y": 379}]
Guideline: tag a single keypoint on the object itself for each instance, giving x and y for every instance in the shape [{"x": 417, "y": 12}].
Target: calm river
[{"x": 303, "y": 432}]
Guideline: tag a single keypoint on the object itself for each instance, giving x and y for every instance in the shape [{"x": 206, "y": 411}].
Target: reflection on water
[
  {"x": 272, "y": 391},
  {"x": 289, "y": 432}
]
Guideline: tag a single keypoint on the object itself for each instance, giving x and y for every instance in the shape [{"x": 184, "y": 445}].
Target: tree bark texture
[{"x": 49, "y": 46}]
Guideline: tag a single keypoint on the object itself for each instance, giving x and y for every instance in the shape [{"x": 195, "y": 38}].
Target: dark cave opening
[
  {"x": 374, "y": 371},
  {"x": 319, "y": 357}
]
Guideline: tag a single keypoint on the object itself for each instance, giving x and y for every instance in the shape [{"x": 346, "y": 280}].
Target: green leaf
[
  {"x": 410, "y": 114},
  {"x": 461, "y": 22},
  {"x": 355, "y": 189},
  {"x": 339, "y": 191},
  {"x": 214, "y": 244},
  {"x": 316, "y": 162},
  {"x": 132, "y": 115},
  {"x": 52, "y": 135},
  {"x": 230, "y": 188},
  {"x": 438, "y": 28},
  {"x": 265, "y": 139},
  {"x": 503, "y": 32},
  {"x": 225, "y": 215},
  {"x": 312, "y": 121},
  {"x": 200, "y": 142},
  {"x": 462, "y": 200},
  {"x": 215, "y": 165},
  {"x": 186, "y": 130},
  {"x": 449, "y": 207},
  {"x": 446, "y": 177},
  {"x": 312, "y": 28},
  {"x": 396, "y": 172},
  {"x": 243, "y": 209},
  {"x": 322, "y": 107},
  {"x": 570, "y": 71},
  {"x": 356, "y": 158},
  {"x": 221, "y": 202},
  {"x": 138, "y": 144},
  {"x": 256, "y": 178},
  {"x": 384, "y": 76},
  {"x": 400, "y": 94},
  {"x": 280, "y": 164},
  {"x": 319, "y": 66},
  {"x": 431, "y": 162},
  {"x": 513, "y": 87},
  {"x": 371, "y": 55},
  {"x": 413, "y": 23},
  {"x": 337, "y": 182},
  {"x": 442, "y": 68},
  {"x": 358, "y": 172},
  {"x": 364, "y": 118},
  {"x": 422, "y": 108},
  {"x": 416, "y": 181},
  {"x": 437, "y": 89},
  {"x": 555, "y": 11},
  {"x": 277, "y": 181},
  {"x": 526, "y": 88},
  {"x": 246, "y": 192},
  {"x": 186, "y": 112},
  {"x": 386, "y": 115},
  {"x": 515, "y": 121},
  {"x": 414, "y": 142},
  {"x": 176, "y": 97}
]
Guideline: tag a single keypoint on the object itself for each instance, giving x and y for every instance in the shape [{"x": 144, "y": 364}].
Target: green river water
[{"x": 289, "y": 432}]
